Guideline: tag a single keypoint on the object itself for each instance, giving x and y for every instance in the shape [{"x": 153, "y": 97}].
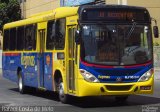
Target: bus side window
[
  {"x": 20, "y": 38},
  {"x": 60, "y": 34},
  {"x": 12, "y": 42},
  {"x": 30, "y": 37},
  {"x": 50, "y": 35},
  {"x": 6, "y": 40}
]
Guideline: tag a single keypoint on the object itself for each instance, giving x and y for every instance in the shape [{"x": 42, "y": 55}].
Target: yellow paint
[
  {"x": 42, "y": 17},
  {"x": 41, "y": 20},
  {"x": 72, "y": 20},
  {"x": 42, "y": 25},
  {"x": 93, "y": 89},
  {"x": 82, "y": 87}
]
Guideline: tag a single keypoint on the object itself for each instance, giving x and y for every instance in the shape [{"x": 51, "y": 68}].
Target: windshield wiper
[{"x": 131, "y": 30}]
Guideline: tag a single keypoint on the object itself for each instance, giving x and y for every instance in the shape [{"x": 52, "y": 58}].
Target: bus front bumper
[{"x": 97, "y": 89}]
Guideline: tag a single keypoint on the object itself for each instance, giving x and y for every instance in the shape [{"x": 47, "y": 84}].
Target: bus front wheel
[
  {"x": 21, "y": 86},
  {"x": 64, "y": 98}
]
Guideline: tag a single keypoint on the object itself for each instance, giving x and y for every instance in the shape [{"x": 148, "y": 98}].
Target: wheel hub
[
  {"x": 20, "y": 83},
  {"x": 61, "y": 90}
]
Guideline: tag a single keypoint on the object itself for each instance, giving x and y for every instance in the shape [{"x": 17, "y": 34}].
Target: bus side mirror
[
  {"x": 156, "y": 31},
  {"x": 77, "y": 37}
]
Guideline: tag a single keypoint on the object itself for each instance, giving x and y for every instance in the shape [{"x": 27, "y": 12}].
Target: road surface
[{"x": 11, "y": 99}]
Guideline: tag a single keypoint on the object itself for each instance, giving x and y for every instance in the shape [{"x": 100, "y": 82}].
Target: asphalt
[{"x": 11, "y": 99}]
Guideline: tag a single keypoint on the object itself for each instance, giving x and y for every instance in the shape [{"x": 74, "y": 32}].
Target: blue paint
[
  {"x": 10, "y": 65},
  {"x": 115, "y": 73},
  {"x": 40, "y": 63},
  {"x": 48, "y": 71}
]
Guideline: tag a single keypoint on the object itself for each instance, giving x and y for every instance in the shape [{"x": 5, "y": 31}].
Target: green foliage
[
  {"x": 9, "y": 11},
  {"x": 4, "y": 1}
]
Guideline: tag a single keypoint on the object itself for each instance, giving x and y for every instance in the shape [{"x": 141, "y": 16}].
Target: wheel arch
[
  {"x": 19, "y": 69},
  {"x": 57, "y": 75}
]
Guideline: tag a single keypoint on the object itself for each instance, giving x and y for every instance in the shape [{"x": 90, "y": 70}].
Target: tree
[
  {"x": 9, "y": 11},
  {"x": 4, "y": 1}
]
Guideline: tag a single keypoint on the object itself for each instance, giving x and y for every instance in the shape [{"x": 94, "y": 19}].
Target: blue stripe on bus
[
  {"x": 110, "y": 75},
  {"x": 29, "y": 69}
]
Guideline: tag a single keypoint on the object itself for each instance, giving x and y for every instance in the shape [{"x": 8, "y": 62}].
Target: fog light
[
  {"x": 102, "y": 89},
  {"x": 145, "y": 87}
]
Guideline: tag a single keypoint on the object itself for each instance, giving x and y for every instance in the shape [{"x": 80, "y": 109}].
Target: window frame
[
  {"x": 19, "y": 36},
  {"x": 51, "y": 22},
  {"x": 33, "y": 37},
  {"x": 57, "y": 45},
  {"x": 5, "y": 38}
]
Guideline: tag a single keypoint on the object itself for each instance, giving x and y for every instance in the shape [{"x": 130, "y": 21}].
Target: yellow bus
[{"x": 82, "y": 51}]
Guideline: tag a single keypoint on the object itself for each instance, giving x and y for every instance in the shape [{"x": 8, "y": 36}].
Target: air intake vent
[{"x": 118, "y": 88}]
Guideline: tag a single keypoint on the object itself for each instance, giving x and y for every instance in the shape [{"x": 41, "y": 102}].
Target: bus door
[
  {"x": 71, "y": 59},
  {"x": 41, "y": 46}
]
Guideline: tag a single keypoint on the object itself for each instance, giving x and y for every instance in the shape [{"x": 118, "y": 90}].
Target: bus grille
[{"x": 118, "y": 88}]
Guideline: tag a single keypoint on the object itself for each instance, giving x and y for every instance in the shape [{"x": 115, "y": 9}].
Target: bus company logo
[
  {"x": 132, "y": 77},
  {"x": 27, "y": 60},
  {"x": 118, "y": 79},
  {"x": 103, "y": 77}
]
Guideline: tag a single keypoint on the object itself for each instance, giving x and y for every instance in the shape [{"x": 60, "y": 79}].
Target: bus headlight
[
  {"x": 146, "y": 76},
  {"x": 88, "y": 76}
]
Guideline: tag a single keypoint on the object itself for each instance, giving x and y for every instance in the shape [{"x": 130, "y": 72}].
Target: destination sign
[{"x": 114, "y": 15}]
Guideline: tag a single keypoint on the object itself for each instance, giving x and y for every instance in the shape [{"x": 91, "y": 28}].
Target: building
[{"x": 31, "y": 7}]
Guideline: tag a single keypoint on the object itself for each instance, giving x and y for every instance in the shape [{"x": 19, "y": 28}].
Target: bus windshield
[{"x": 116, "y": 44}]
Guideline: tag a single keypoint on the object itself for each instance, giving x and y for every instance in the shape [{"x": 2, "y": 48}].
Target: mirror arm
[
  {"x": 155, "y": 21},
  {"x": 155, "y": 28},
  {"x": 77, "y": 36}
]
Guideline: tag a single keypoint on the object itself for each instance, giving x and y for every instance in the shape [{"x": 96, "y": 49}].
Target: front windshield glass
[{"x": 116, "y": 44}]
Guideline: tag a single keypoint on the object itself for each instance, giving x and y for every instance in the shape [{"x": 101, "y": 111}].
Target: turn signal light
[{"x": 145, "y": 87}]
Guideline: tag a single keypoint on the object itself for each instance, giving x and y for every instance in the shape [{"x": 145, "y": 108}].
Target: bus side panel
[
  {"x": 5, "y": 66},
  {"x": 29, "y": 67},
  {"x": 48, "y": 59},
  {"x": 11, "y": 61},
  {"x": 28, "y": 63}
]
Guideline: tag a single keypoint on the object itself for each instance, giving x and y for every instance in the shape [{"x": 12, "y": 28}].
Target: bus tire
[
  {"x": 21, "y": 86},
  {"x": 121, "y": 98},
  {"x": 64, "y": 98}
]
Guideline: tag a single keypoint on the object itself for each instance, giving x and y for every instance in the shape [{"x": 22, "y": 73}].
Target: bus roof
[
  {"x": 64, "y": 12},
  {"x": 41, "y": 17}
]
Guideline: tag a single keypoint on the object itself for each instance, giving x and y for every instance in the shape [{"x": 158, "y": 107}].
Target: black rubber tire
[
  {"x": 21, "y": 87},
  {"x": 64, "y": 98}
]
